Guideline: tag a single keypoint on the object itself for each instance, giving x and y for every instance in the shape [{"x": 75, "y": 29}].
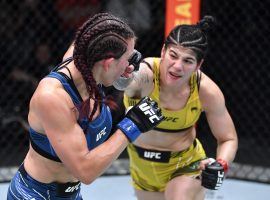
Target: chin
[
  {"x": 107, "y": 84},
  {"x": 172, "y": 80}
]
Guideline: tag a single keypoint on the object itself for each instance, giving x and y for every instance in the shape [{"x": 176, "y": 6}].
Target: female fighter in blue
[{"x": 70, "y": 118}]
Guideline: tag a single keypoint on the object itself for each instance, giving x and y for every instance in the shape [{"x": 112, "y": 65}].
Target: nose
[
  {"x": 178, "y": 64},
  {"x": 129, "y": 69}
]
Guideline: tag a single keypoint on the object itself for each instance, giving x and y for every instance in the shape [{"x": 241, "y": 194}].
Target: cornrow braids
[
  {"x": 101, "y": 36},
  {"x": 192, "y": 36}
]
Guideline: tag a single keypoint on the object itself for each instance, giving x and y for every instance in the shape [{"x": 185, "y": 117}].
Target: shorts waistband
[
  {"x": 61, "y": 189},
  {"x": 25, "y": 175},
  {"x": 160, "y": 156}
]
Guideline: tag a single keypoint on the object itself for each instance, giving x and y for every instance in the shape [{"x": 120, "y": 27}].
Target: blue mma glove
[{"x": 142, "y": 117}]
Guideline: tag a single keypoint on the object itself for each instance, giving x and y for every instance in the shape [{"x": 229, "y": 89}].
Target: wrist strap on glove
[
  {"x": 129, "y": 129},
  {"x": 224, "y": 164}
]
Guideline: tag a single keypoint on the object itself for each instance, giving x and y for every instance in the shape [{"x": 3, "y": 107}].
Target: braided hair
[
  {"x": 192, "y": 36},
  {"x": 101, "y": 36}
]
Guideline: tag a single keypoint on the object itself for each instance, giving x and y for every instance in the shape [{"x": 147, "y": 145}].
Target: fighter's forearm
[{"x": 227, "y": 150}]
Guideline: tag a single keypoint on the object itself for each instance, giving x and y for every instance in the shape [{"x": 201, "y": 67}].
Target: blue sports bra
[{"x": 96, "y": 131}]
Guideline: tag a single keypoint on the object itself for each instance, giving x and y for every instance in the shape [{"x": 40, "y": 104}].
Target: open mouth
[{"x": 174, "y": 75}]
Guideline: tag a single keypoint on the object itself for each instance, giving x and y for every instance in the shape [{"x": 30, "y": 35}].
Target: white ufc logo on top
[
  {"x": 148, "y": 111},
  {"x": 101, "y": 134}
]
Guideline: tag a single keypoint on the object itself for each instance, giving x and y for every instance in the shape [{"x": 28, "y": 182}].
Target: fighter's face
[{"x": 178, "y": 64}]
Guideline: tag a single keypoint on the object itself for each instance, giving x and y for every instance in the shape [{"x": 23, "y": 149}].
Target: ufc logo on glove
[
  {"x": 219, "y": 180},
  {"x": 148, "y": 111},
  {"x": 142, "y": 117}
]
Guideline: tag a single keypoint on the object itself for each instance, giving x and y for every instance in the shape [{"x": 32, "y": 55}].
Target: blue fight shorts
[{"x": 23, "y": 186}]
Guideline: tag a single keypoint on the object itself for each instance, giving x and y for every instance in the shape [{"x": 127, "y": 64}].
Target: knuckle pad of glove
[{"x": 142, "y": 113}]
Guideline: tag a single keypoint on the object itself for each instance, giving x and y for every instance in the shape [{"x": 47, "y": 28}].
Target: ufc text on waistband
[
  {"x": 67, "y": 189},
  {"x": 153, "y": 155}
]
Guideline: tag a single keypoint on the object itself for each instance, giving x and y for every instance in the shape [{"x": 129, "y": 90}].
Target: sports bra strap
[{"x": 62, "y": 65}]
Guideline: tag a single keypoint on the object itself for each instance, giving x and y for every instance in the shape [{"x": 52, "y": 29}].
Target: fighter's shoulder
[
  {"x": 148, "y": 63},
  {"x": 143, "y": 80},
  {"x": 207, "y": 84},
  {"x": 145, "y": 72},
  {"x": 49, "y": 92},
  {"x": 149, "y": 60},
  {"x": 210, "y": 92}
]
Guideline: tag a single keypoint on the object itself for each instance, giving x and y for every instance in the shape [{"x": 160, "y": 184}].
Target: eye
[
  {"x": 174, "y": 56},
  {"x": 188, "y": 61}
]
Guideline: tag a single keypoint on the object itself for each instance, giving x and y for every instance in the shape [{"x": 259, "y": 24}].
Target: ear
[
  {"x": 199, "y": 64},
  {"x": 106, "y": 63},
  {"x": 163, "y": 50}
]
